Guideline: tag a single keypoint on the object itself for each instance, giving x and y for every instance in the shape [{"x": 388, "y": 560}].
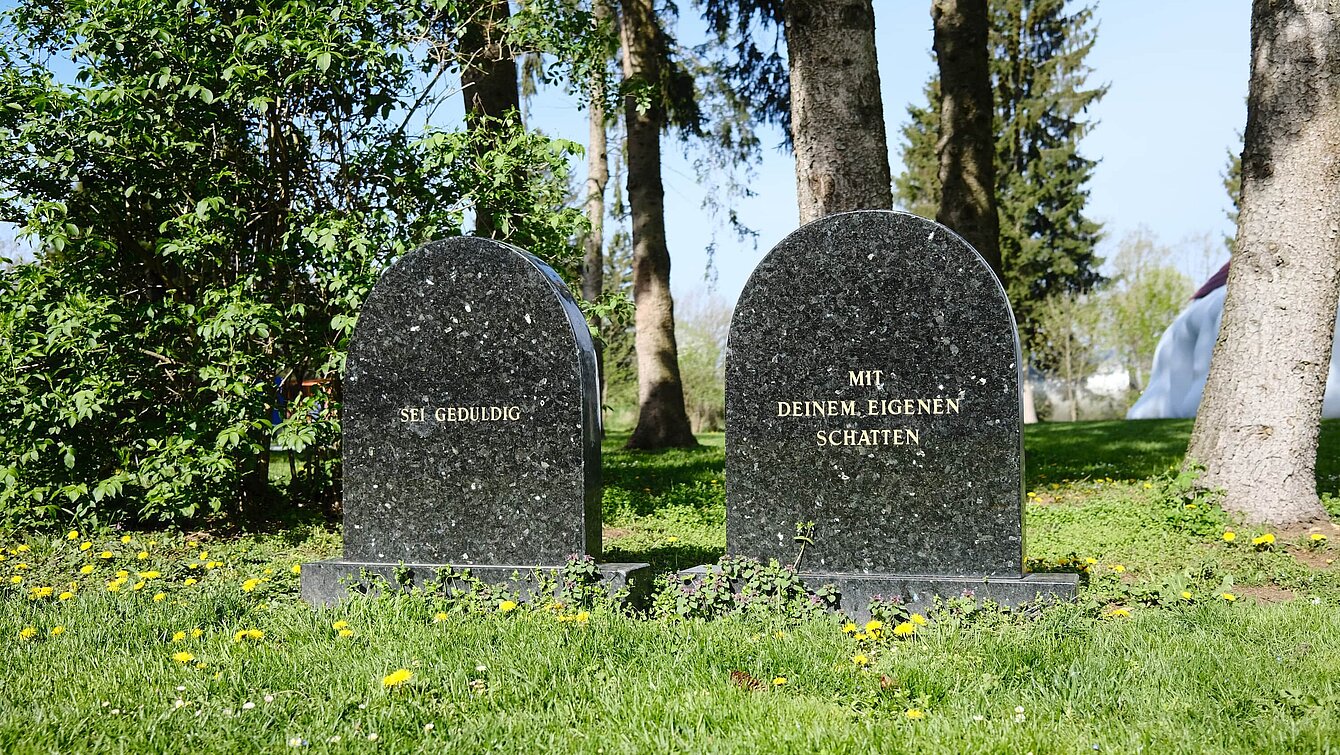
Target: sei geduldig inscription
[
  {"x": 875, "y": 407},
  {"x": 443, "y": 414}
]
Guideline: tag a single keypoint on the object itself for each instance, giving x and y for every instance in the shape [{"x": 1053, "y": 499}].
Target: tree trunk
[
  {"x": 489, "y": 81},
  {"x": 967, "y": 144},
  {"x": 597, "y": 176},
  {"x": 1256, "y": 430},
  {"x": 837, "y": 116},
  {"x": 1030, "y": 403},
  {"x": 662, "y": 421}
]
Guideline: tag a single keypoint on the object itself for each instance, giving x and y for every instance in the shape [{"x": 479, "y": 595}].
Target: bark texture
[
  {"x": 597, "y": 177},
  {"x": 967, "y": 144},
  {"x": 1256, "y": 430},
  {"x": 489, "y": 81},
  {"x": 837, "y": 117},
  {"x": 662, "y": 421}
]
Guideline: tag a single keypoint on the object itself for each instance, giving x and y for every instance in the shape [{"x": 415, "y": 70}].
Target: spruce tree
[{"x": 1038, "y": 73}]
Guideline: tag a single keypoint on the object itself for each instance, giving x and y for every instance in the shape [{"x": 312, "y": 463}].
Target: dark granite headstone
[
  {"x": 873, "y": 410},
  {"x": 471, "y": 422}
]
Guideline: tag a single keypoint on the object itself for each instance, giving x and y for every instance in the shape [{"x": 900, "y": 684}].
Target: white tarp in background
[{"x": 1182, "y": 364}]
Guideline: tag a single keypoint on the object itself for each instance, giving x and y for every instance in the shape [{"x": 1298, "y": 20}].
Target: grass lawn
[{"x": 160, "y": 665}]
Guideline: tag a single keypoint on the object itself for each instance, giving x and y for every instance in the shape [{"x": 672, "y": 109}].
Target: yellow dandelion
[
  {"x": 1228, "y": 596},
  {"x": 1186, "y": 595},
  {"x": 915, "y": 714},
  {"x": 27, "y": 633},
  {"x": 849, "y": 628},
  {"x": 16, "y": 579},
  {"x": 255, "y": 634},
  {"x": 582, "y": 617},
  {"x": 779, "y": 635},
  {"x": 439, "y": 617},
  {"x": 1118, "y": 568},
  {"x": 905, "y": 629},
  {"x": 114, "y": 586},
  {"x": 1119, "y": 613},
  {"x": 250, "y": 584},
  {"x": 190, "y": 581},
  {"x": 22, "y": 549},
  {"x": 179, "y": 636},
  {"x": 296, "y": 569},
  {"x": 1317, "y": 537},
  {"x": 918, "y": 619},
  {"x": 86, "y": 569},
  {"x": 73, "y": 535},
  {"x": 138, "y": 585},
  {"x": 1230, "y": 536},
  {"x": 397, "y": 677},
  {"x": 1266, "y": 539},
  {"x": 192, "y": 544},
  {"x": 672, "y": 539},
  {"x": 778, "y": 681},
  {"x": 341, "y": 624},
  {"x": 122, "y": 574},
  {"x": 183, "y": 657},
  {"x": 193, "y": 565},
  {"x": 65, "y": 595},
  {"x": 197, "y": 632},
  {"x": 57, "y": 631},
  {"x": 346, "y": 633},
  {"x": 160, "y": 597},
  {"x": 860, "y": 660},
  {"x": 507, "y": 605},
  {"x": 142, "y": 555},
  {"x": 1148, "y": 486},
  {"x": 125, "y": 538},
  {"x": 873, "y": 627},
  {"x": 85, "y": 545},
  {"x": 105, "y": 555}
]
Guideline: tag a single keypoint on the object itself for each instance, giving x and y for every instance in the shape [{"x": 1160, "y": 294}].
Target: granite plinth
[
  {"x": 873, "y": 414},
  {"x": 328, "y": 582},
  {"x": 918, "y": 593},
  {"x": 471, "y": 414}
]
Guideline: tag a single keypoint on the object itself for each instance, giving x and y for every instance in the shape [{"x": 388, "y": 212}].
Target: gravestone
[
  {"x": 873, "y": 428},
  {"x": 471, "y": 425}
]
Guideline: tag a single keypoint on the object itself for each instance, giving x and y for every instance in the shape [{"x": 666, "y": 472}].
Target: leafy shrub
[{"x": 211, "y": 198}]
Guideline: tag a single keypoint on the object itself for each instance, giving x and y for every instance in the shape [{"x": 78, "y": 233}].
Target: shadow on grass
[
  {"x": 1136, "y": 449},
  {"x": 665, "y": 558}
]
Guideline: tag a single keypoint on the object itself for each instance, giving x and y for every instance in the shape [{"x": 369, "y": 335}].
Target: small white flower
[
  {"x": 481, "y": 668},
  {"x": 248, "y": 705},
  {"x": 428, "y": 727},
  {"x": 181, "y": 688},
  {"x": 1018, "y": 709},
  {"x": 296, "y": 741},
  {"x": 116, "y": 711},
  {"x": 269, "y": 698},
  {"x": 334, "y": 740},
  {"x": 178, "y": 703},
  {"x": 372, "y": 737}
]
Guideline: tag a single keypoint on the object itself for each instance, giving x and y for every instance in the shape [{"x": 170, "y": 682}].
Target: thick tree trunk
[
  {"x": 489, "y": 81},
  {"x": 837, "y": 116},
  {"x": 597, "y": 176},
  {"x": 967, "y": 144},
  {"x": 1256, "y": 430},
  {"x": 662, "y": 421}
]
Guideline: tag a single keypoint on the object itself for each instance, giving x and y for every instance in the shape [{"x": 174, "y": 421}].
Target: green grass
[{"x": 1203, "y": 675}]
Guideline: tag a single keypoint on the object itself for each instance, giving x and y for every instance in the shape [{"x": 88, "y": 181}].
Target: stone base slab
[
  {"x": 918, "y": 593},
  {"x": 326, "y": 583}
]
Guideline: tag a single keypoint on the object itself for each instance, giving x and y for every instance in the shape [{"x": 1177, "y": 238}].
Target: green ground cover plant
[{"x": 1193, "y": 633}]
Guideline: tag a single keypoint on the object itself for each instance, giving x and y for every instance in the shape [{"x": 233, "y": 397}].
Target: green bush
[{"x": 212, "y": 196}]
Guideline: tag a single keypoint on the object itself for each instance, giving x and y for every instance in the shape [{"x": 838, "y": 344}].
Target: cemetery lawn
[{"x": 1182, "y": 640}]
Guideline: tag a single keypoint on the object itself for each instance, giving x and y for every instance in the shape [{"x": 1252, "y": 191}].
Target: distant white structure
[{"x": 1182, "y": 359}]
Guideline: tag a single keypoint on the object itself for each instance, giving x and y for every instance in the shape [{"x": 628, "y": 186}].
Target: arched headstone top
[
  {"x": 873, "y": 404},
  {"x": 471, "y": 414}
]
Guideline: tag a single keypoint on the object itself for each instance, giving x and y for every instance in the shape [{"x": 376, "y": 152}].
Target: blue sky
[{"x": 1177, "y": 71}]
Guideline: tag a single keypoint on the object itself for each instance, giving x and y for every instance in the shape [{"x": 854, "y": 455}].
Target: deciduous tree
[{"x": 1256, "y": 430}]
